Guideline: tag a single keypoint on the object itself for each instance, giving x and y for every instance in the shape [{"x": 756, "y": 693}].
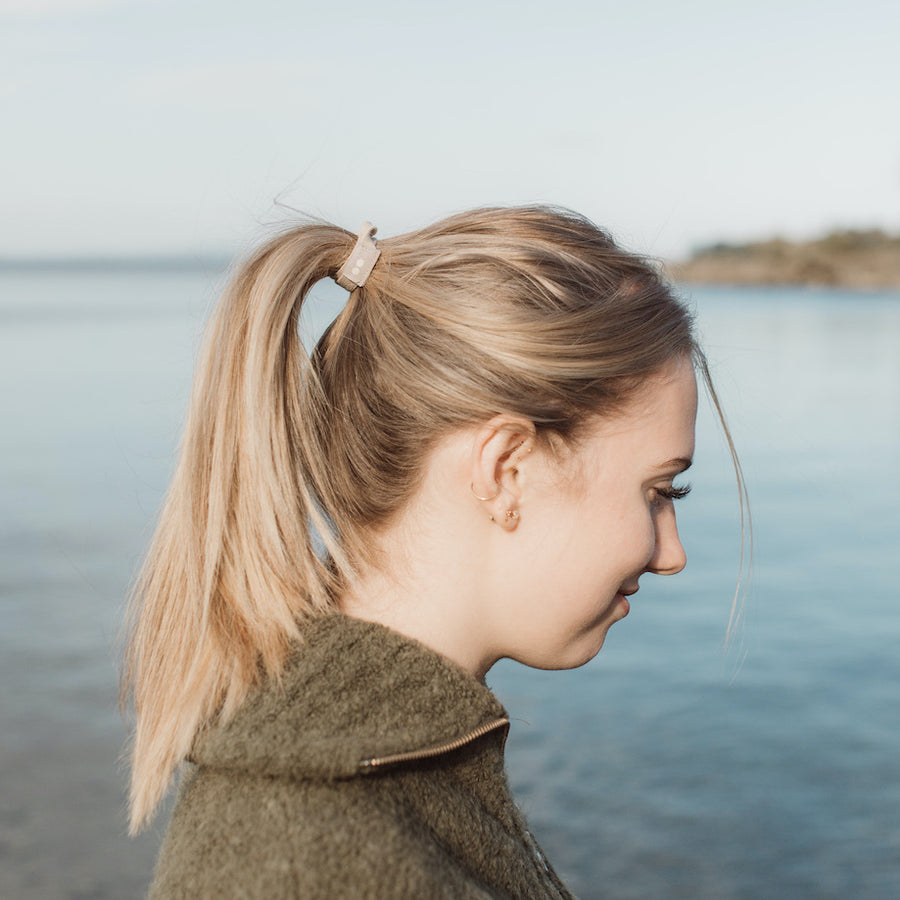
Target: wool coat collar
[{"x": 354, "y": 695}]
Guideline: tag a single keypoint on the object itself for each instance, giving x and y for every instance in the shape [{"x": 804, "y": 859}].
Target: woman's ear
[{"x": 499, "y": 448}]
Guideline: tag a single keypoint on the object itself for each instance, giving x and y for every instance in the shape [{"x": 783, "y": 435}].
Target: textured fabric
[{"x": 280, "y": 802}]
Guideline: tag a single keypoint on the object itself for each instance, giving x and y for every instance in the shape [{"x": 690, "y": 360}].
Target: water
[{"x": 665, "y": 768}]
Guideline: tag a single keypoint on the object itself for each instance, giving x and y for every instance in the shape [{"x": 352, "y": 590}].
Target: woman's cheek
[{"x": 648, "y": 542}]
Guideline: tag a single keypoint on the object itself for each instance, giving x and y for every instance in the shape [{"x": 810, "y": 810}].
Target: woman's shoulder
[
  {"x": 342, "y": 774},
  {"x": 351, "y": 692},
  {"x": 233, "y": 835}
]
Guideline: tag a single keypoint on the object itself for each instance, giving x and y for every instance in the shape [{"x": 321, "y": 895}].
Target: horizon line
[{"x": 129, "y": 262}]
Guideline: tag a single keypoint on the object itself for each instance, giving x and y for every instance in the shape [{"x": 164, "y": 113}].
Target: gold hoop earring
[{"x": 472, "y": 489}]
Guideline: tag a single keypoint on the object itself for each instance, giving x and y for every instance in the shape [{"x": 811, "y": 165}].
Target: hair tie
[{"x": 359, "y": 264}]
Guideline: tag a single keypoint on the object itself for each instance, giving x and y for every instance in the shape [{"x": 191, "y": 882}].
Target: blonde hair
[{"x": 289, "y": 460}]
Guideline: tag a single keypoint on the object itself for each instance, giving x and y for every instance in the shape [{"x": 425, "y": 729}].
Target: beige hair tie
[{"x": 359, "y": 264}]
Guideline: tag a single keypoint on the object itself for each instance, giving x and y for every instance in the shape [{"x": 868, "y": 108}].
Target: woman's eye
[{"x": 672, "y": 493}]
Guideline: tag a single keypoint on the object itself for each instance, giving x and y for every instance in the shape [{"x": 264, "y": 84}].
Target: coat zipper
[
  {"x": 427, "y": 752},
  {"x": 547, "y": 873}
]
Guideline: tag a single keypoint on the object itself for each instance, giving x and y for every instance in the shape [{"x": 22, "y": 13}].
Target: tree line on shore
[{"x": 868, "y": 259}]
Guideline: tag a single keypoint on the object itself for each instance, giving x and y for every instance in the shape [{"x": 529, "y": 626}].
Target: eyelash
[{"x": 673, "y": 493}]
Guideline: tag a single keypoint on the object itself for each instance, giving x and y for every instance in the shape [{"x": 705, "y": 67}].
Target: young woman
[{"x": 476, "y": 462}]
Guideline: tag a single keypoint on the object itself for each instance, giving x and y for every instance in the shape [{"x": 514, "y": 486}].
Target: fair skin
[{"x": 544, "y": 587}]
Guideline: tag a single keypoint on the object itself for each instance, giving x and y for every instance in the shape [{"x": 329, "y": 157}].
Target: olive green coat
[{"x": 374, "y": 771}]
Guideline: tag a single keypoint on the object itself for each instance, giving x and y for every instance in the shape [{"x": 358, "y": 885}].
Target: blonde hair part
[{"x": 289, "y": 460}]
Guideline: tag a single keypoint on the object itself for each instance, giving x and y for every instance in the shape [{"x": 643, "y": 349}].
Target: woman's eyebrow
[{"x": 677, "y": 465}]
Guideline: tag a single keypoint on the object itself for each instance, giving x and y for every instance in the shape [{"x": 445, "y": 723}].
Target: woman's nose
[{"x": 668, "y": 557}]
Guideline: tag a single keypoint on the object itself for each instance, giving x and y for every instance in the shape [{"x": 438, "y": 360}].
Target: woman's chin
[{"x": 572, "y": 656}]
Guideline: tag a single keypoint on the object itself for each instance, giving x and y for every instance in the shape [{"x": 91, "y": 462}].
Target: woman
[{"x": 477, "y": 462}]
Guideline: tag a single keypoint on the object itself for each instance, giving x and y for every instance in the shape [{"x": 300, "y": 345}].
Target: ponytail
[{"x": 233, "y": 569}]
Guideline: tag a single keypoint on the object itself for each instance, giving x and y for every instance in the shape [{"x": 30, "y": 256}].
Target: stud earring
[{"x": 512, "y": 515}]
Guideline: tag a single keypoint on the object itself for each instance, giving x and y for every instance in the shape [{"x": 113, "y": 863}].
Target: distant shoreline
[
  {"x": 858, "y": 260},
  {"x": 863, "y": 260}
]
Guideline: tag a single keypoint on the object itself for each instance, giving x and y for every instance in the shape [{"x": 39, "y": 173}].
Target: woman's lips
[{"x": 622, "y": 600}]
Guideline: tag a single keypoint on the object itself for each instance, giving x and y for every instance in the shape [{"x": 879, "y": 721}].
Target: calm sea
[{"x": 666, "y": 768}]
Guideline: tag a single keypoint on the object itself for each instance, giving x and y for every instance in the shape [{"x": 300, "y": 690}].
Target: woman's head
[
  {"x": 292, "y": 464},
  {"x": 533, "y": 312}
]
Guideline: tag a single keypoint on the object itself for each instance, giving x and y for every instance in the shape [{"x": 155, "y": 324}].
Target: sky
[{"x": 134, "y": 127}]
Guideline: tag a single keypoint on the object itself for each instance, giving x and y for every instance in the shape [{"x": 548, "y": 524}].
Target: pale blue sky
[{"x": 141, "y": 126}]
